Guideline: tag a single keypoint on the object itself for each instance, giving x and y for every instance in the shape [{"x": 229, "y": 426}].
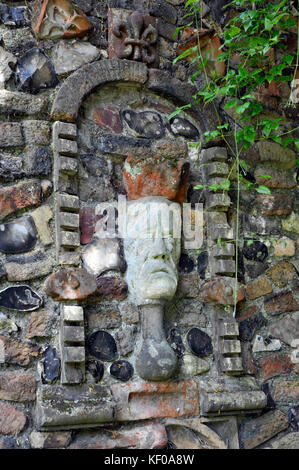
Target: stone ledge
[{"x": 231, "y": 403}]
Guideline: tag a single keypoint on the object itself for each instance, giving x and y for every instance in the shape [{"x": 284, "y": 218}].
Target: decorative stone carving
[
  {"x": 72, "y": 342},
  {"x": 56, "y": 19},
  {"x": 132, "y": 35}
]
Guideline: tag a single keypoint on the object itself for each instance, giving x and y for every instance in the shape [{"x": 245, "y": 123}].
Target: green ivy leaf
[{"x": 263, "y": 189}]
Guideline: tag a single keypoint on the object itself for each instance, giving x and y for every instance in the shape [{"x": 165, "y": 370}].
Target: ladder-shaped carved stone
[
  {"x": 230, "y": 347},
  {"x": 72, "y": 343}
]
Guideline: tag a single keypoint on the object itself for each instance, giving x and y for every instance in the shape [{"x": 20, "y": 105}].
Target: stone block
[
  {"x": 66, "y": 147},
  {"x": 217, "y": 202},
  {"x": 12, "y": 420},
  {"x": 214, "y": 154},
  {"x": 231, "y": 347},
  {"x": 36, "y": 132},
  {"x": 13, "y": 102},
  {"x": 232, "y": 365},
  {"x": 72, "y": 313},
  {"x": 68, "y": 165},
  {"x": 61, "y": 407},
  {"x": 232, "y": 402},
  {"x": 258, "y": 288},
  {"x": 274, "y": 153},
  {"x": 259, "y": 430},
  {"x": 69, "y": 221},
  {"x": 11, "y": 134},
  {"x": 147, "y": 400},
  {"x": 19, "y": 196},
  {"x": 275, "y": 365},
  {"x": 50, "y": 440},
  {"x": 281, "y": 303},
  {"x": 68, "y": 203},
  {"x": 286, "y": 391},
  {"x": 73, "y": 334},
  {"x": 282, "y": 273},
  {"x": 41, "y": 216},
  {"x": 286, "y": 329},
  {"x": 69, "y": 239},
  {"x": 17, "y": 386}
]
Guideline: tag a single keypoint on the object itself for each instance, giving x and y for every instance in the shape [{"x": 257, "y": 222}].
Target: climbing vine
[{"x": 254, "y": 36}]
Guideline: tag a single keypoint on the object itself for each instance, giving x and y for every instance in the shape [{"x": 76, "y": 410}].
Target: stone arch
[{"x": 82, "y": 82}]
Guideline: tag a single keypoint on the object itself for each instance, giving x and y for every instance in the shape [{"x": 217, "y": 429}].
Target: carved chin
[{"x": 158, "y": 287}]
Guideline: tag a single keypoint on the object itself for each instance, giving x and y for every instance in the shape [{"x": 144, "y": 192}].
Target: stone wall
[{"x": 76, "y": 103}]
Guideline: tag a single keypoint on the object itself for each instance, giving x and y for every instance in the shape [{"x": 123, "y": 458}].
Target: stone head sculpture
[{"x": 150, "y": 226}]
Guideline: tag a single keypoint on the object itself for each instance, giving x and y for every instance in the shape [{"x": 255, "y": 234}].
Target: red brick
[
  {"x": 281, "y": 303},
  {"x": 70, "y": 284},
  {"x": 20, "y": 196},
  {"x": 246, "y": 313},
  {"x": 156, "y": 176},
  {"x": 275, "y": 365},
  {"x": 16, "y": 386},
  {"x": 220, "y": 290},
  {"x": 87, "y": 224},
  {"x": 258, "y": 288},
  {"x": 12, "y": 421},
  {"x": 147, "y": 400}
]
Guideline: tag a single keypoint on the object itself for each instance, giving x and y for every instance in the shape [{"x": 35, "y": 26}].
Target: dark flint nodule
[
  {"x": 147, "y": 124},
  {"x": 183, "y": 127},
  {"x": 174, "y": 340},
  {"x": 186, "y": 264},
  {"x": 18, "y": 236},
  {"x": 35, "y": 72},
  {"x": 102, "y": 346},
  {"x": 256, "y": 251},
  {"x": 199, "y": 342},
  {"x": 21, "y": 298},
  {"x": 51, "y": 364},
  {"x": 96, "y": 368},
  {"x": 122, "y": 370},
  {"x": 202, "y": 264}
]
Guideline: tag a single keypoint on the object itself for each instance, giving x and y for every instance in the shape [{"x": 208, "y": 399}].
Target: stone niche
[{"x": 112, "y": 118}]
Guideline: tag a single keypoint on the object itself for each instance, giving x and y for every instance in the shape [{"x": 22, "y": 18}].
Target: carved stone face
[{"x": 152, "y": 249}]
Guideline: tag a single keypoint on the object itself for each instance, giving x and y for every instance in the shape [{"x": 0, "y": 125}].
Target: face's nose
[{"x": 159, "y": 250}]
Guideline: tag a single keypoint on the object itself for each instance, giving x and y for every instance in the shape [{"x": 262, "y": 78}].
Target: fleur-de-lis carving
[{"x": 138, "y": 39}]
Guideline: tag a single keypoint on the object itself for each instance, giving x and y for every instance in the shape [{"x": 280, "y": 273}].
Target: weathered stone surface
[
  {"x": 221, "y": 290},
  {"x": 186, "y": 263},
  {"x": 249, "y": 366},
  {"x": 18, "y": 353},
  {"x": 272, "y": 152},
  {"x": 13, "y": 102},
  {"x": 261, "y": 429},
  {"x": 7, "y": 62},
  {"x": 12, "y": 421},
  {"x": 36, "y": 132},
  {"x": 11, "y": 134},
  {"x": 258, "y": 288},
  {"x": 108, "y": 118},
  {"x": 293, "y": 415},
  {"x": 70, "y": 55},
  {"x": 156, "y": 177},
  {"x": 11, "y": 16},
  {"x": 290, "y": 441},
  {"x": 148, "y": 400},
  {"x": 249, "y": 326},
  {"x": 81, "y": 82},
  {"x": 228, "y": 402},
  {"x": 282, "y": 273},
  {"x": 111, "y": 288},
  {"x": 20, "y": 196},
  {"x": 192, "y": 434},
  {"x": 265, "y": 344},
  {"x": 40, "y": 324},
  {"x": 102, "y": 254},
  {"x": 7, "y": 326},
  {"x": 70, "y": 284},
  {"x": 58, "y": 19},
  {"x": 188, "y": 286},
  {"x": 60, "y": 407},
  {"x": 18, "y": 236},
  {"x": 291, "y": 223},
  {"x": 126, "y": 339},
  {"x": 97, "y": 370},
  {"x": 170, "y": 148},
  {"x": 281, "y": 303},
  {"x": 41, "y": 216},
  {"x": 129, "y": 313},
  {"x": 192, "y": 365},
  {"x": 276, "y": 204},
  {"x": 286, "y": 391},
  {"x": 122, "y": 370},
  {"x": 21, "y": 298},
  {"x": 16, "y": 386},
  {"x": 102, "y": 345},
  {"x": 50, "y": 440},
  {"x": 35, "y": 72},
  {"x": 142, "y": 436},
  {"x": 286, "y": 329},
  {"x": 28, "y": 267},
  {"x": 284, "y": 247},
  {"x": 102, "y": 316},
  {"x": 279, "y": 179},
  {"x": 275, "y": 365}
]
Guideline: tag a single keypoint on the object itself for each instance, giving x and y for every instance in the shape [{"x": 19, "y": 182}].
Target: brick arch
[{"x": 82, "y": 82}]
